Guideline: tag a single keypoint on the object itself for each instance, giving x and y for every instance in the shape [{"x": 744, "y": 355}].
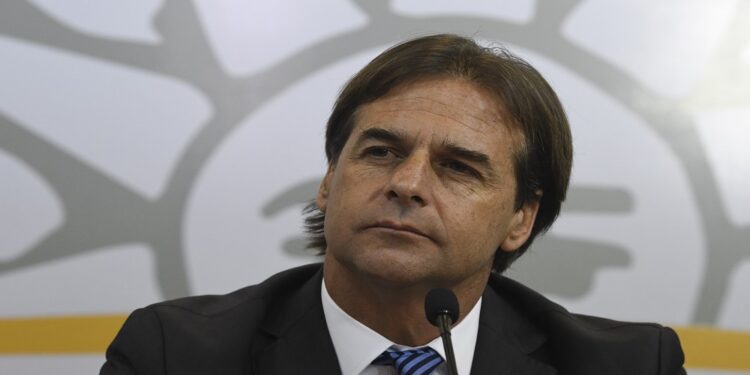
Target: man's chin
[
  {"x": 398, "y": 273},
  {"x": 390, "y": 266}
]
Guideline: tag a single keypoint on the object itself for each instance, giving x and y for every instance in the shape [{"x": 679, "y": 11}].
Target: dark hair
[{"x": 542, "y": 163}]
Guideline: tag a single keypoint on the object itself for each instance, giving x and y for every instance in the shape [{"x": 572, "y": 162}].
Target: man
[{"x": 446, "y": 159}]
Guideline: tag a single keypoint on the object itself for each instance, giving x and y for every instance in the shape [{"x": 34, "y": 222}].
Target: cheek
[
  {"x": 367, "y": 177},
  {"x": 479, "y": 226},
  {"x": 359, "y": 183},
  {"x": 348, "y": 192}
]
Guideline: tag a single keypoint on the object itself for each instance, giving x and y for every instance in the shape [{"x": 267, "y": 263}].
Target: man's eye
[
  {"x": 377, "y": 151},
  {"x": 459, "y": 167}
]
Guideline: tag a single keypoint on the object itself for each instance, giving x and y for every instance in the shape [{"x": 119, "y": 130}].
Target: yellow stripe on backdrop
[
  {"x": 58, "y": 335},
  {"x": 711, "y": 348},
  {"x": 705, "y": 347}
]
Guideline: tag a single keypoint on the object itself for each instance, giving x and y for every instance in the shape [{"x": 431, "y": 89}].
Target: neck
[{"x": 394, "y": 311}]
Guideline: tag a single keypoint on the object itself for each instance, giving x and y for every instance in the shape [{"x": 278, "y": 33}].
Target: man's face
[{"x": 424, "y": 188}]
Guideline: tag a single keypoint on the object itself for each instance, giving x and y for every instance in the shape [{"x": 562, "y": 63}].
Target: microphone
[{"x": 441, "y": 308}]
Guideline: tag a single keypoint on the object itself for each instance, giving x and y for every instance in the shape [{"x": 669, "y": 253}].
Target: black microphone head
[{"x": 440, "y": 301}]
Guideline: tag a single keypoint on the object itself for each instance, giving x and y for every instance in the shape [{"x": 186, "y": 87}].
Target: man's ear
[
  {"x": 521, "y": 225},
  {"x": 321, "y": 200}
]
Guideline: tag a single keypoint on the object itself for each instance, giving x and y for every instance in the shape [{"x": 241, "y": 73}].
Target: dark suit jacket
[{"x": 278, "y": 327}]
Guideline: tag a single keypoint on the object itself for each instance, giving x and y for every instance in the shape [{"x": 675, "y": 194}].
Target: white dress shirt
[{"x": 357, "y": 345}]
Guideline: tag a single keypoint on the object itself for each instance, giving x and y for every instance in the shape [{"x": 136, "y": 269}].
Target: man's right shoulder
[
  {"x": 268, "y": 293},
  {"x": 211, "y": 333}
]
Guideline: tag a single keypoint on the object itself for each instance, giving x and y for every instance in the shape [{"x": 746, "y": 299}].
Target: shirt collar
[{"x": 353, "y": 359}]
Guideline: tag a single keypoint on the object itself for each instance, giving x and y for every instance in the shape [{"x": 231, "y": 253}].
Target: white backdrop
[{"x": 153, "y": 149}]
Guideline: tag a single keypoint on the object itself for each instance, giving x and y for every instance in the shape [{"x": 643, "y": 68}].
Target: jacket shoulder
[
  {"x": 206, "y": 334},
  {"x": 613, "y": 347},
  {"x": 584, "y": 344},
  {"x": 272, "y": 289}
]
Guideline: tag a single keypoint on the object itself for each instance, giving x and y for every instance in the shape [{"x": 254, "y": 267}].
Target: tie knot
[{"x": 421, "y": 361}]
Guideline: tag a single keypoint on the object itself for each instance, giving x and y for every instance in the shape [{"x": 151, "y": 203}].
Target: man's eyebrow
[
  {"x": 448, "y": 148},
  {"x": 467, "y": 154},
  {"x": 381, "y": 134}
]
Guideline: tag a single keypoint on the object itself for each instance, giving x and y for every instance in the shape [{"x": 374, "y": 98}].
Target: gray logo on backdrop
[{"x": 110, "y": 213}]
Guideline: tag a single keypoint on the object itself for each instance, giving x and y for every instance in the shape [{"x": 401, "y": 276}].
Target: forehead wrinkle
[
  {"x": 476, "y": 128},
  {"x": 455, "y": 111}
]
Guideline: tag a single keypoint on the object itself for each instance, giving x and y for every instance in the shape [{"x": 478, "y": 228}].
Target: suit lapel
[
  {"x": 507, "y": 343},
  {"x": 296, "y": 337}
]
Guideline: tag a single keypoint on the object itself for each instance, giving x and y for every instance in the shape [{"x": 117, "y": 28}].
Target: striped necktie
[{"x": 420, "y": 361}]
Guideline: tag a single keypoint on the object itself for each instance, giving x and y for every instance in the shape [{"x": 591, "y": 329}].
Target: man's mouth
[{"x": 399, "y": 226}]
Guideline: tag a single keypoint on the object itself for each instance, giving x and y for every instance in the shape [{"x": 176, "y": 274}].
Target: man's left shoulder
[
  {"x": 589, "y": 344},
  {"x": 612, "y": 345}
]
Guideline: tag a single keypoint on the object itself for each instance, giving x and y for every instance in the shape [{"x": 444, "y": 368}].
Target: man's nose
[{"x": 411, "y": 181}]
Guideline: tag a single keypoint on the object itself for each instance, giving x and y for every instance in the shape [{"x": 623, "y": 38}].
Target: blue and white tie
[{"x": 420, "y": 361}]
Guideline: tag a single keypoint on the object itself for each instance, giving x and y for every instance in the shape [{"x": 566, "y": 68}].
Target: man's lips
[{"x": 399, "y": 226}]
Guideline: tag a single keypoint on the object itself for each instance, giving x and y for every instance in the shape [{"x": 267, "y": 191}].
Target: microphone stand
[
  {"x": 444, "y": 324},
  {"x": 441, "y": 309}
]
